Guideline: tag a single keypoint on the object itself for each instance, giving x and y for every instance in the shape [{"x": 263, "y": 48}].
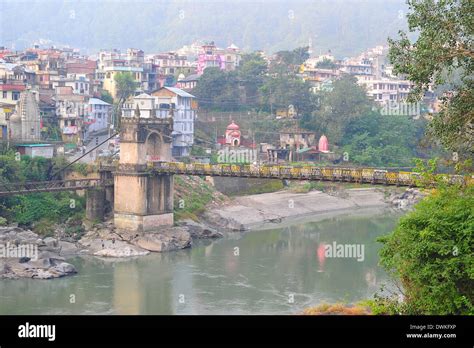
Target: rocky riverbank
[
  {"x": 23, "y": 254},
  {"x": 254, "y": 211}
]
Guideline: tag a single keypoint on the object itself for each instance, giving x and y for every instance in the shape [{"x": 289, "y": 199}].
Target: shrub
[
  {"x": 430, "y": 251},
  {"x": 44, "y": 228}
]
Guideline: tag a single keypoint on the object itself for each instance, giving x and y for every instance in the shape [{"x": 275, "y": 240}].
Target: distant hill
[{"x": 344, "y": 26}]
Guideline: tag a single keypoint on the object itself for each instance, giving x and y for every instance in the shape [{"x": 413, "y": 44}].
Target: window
[
  {"x": 15, "y": 95},
  {"x": 5, "y": 94},
  {"x": 380, "y": 96}
]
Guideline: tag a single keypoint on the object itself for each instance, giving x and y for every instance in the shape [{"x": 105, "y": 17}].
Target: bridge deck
[
  {"x": 355, "y": 175},
  {"x": 10, "y": 189}
]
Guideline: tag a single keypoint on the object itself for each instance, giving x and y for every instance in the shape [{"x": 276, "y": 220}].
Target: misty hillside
[{"x": 344, "y": 26}]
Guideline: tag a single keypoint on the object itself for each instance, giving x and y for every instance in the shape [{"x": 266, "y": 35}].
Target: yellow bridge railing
[{"x": 356, "y": 175}]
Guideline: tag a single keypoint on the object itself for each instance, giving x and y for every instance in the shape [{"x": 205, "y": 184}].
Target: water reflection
[{"x": 253, "y": 273}]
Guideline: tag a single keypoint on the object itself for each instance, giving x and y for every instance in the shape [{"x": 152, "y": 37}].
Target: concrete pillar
[{"x": 95, "y": 204}]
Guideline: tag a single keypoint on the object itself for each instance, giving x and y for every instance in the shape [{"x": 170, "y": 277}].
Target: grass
[{"x": 338, "y": 309}]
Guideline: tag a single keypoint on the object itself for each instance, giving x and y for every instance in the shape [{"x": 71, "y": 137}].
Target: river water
[{"x": 270, "y": 271}]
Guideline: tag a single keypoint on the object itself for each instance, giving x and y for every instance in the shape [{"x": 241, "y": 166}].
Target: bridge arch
[{"x": 154, "y": 146}]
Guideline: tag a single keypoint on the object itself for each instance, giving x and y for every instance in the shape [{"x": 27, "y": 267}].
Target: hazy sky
[{"x": 344, "y": 26}]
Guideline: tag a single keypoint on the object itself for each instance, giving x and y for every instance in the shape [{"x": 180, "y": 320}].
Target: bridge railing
[
  {"x": 8, "y": 189},
  {"x": 357, "y": 175}
]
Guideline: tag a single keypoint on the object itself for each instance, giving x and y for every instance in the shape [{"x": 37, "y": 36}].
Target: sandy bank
[{"x": 259, "y": 210}]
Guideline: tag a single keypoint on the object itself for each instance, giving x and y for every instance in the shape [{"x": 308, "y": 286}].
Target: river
[{"x": 268, "y": 271}]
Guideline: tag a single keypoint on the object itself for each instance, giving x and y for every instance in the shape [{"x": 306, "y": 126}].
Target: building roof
[
  {"x": 123, "y": 68},
  {"x": 97, "y": 101},
  {"x": 179, "y": 92},
  {"x": 193, "y": 77},
  {"x": 35, "y": 145},
  {"x": 12, "y": 87},
  {"x": 143, "y": 96},
  {"x": 296, "y": 130}
]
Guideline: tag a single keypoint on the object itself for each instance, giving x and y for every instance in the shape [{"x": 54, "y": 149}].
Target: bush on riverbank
[
  {"x": 430, "y": 251},
  {"x": 39, "y": 209},
  {"x": 191, "y": 196},
  {"x": 337, "y": 309}
]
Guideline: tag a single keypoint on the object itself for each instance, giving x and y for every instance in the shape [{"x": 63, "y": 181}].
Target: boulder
[
  {"x": 50, "y": 242},
  {"x": 166, "y": 239},
  {"x": 68, "y": 249},
  {"x": 65, "y": 268},
  {"x": 199, "y": 231}
]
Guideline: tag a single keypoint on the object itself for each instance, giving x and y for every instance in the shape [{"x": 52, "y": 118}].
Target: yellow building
[{"x": 111, "y": 71}]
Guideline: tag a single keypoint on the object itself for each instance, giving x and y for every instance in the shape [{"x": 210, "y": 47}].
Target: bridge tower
[{"x": 142, "y": 200}]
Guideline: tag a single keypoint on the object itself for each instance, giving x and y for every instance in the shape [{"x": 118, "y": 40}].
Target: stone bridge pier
[{"x": 143, "y": 201}]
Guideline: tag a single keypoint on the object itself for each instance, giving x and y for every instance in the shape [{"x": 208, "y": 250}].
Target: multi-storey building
[
  {"x": 97, "y": 115},
  {"x": 168, "y": 102}
]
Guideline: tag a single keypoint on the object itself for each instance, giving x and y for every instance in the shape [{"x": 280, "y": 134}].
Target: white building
[
  {"x": 98, "y": 115},
  {"x": 184, "y": 114},
  {"x": 385, "y": 90},
  {"x": 168, "y": 102}
]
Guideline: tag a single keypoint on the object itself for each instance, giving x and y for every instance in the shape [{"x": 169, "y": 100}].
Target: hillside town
[
  {"x": 229, "y": 158},
  {"x": 57, "y": 100}
]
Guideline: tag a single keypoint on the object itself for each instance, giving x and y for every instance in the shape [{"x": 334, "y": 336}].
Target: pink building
[{"x": 209, "y": 57}]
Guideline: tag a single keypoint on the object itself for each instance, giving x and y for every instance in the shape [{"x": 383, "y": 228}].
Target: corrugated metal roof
[
  {"x": 35, "y": 145},
  {"x": 179, "y": 92},
  {"x": 97, "y": 101}
]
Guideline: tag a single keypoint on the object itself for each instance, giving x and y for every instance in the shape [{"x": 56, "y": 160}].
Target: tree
[
  {"x": 444, "y": 46},
  {"x": 218, "y": 90},
  {"x": 106, "y": 96},
  {"x": 430, "y": 251},
  {"x": 326, "y": 64},
  {"x": 288, "y": 62},
  {"x": 344, "y": 103},
  {"x": 251, "y": 73},
  {"x": 125, "y": 86},
  {"x": 283, "y": 91},
  {"x": 378, "y": 140}
]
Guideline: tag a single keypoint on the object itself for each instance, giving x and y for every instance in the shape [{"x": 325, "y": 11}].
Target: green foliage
[
  {"x": 3, "y": 221},
  {"x": 326, "y": 64},
  {"x": 430, "y": 251},
  {"x": 250, "y": 87},
  {"x": 31, "y": 209},
  {"x": 443, "y": 51},
  {"x": 377, "y": 140},
  {"x": 10, "y": 169},
  {"x": 281, "y": 91},
  {"x": 346, "y": 102},
  {"x": 81, "y": 168},
  {"x": 288, "y": 62},
  {"x": 106, "y": 96},
  {"x": 191, "y": 202},
  {"x": 126, "y": 86},
  {"x": 54, "y": 207},
  {"x": 218, "y": 90},
  {"x": 44, "y": 228}
]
